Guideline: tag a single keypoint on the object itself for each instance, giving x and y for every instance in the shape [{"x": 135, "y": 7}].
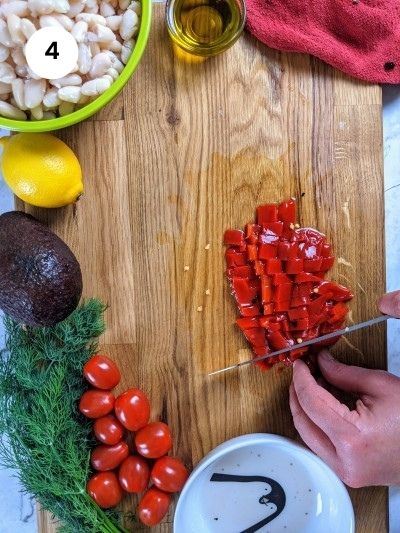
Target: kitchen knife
[{"x": 304, "y": 344}]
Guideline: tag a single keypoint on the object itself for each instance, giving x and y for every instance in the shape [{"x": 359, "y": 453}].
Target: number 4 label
[{"x": 52, "y": 50}]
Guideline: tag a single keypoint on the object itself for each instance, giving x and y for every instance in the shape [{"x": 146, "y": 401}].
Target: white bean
[
  {"x": 129, "y": 25},
  {"x": 95, "y": 87},
  {"x": 84, "y": 58},
  {"x": 48, "y": 21},
  {"x": 51, "y": 99},
  {"x": 21, "y": 71},
  {"x": 34, "y": 92},
  {"x": 5, "y": 37},
  {"x": 4, "y": 53},
  {"x": 106, "y": 9},
  {"x": 112, "y": 73},
  {"x": 7, "y": 74},
  {"x": 14, "y": 27},
  {"x": 9, "y": 111},
  {"x": 115, "y": 46},
  {"x": 100, "y": 64},
  {"x": 64, "y": 20},
  {"x": 91, "y": 6},
  {"x": 5, "y": 88},
  {"x": 94, "y": 48},
  {"x": 123, "y": 4},
  {"x": 109, "y": 78},
  {"x": 66, "y": 108},
  {"x": 91, "y": 18},
  {"x": 40, "y": 7},
  {"x": 114, "y": 22},
  {"x": 27, "y": 28},
  {"x": 18, "y": 7},
  {"x": 48, "y": 115},
  {"x": 76, "y": 7},
  {"x": 136, "y": 7},
  {"x": 126, "y": 51},
  {"x": 18, "y": 93},
  {"x": 69, "y": 93},
  {"x": 71, "y": 79},
  {"x": 116, "y": 63},
  {"x": 79, "y": 31},
  {"x": 104, "y": 34},
  {"x": 37, "y": 112},
  {"x": 18, "y": 56}
]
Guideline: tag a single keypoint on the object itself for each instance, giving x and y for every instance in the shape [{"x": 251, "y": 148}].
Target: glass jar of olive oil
[{"x": 205, "y": 27}]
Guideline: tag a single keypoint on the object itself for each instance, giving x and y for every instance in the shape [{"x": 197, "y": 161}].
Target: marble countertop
[{"x": 17, "y": 510}]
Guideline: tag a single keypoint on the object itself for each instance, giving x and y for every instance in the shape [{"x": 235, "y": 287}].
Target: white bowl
[{"x": 263, "y": 482}]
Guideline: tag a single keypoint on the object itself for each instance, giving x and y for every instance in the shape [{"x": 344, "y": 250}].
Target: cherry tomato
[
  {"x": 105, "y": 489},
  {"x": 95, "y": 403},
  {"x": 109, "y": 457},
  {"x": 108, "y": 430},
  {"x": 153, "y": 506},
  {"x": 154, "y": 440},
  {"x": 134, "y": 474},
  {"x": 133, "y": 409},
  {"x": 101, "y": 372},
  {"x": 169, "y": 474}
]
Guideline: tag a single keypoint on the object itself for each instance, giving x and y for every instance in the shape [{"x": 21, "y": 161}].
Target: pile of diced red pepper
[{"x": 276, "y": 270}]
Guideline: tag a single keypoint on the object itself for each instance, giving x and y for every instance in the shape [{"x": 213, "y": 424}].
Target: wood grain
[{"x": 194, "y": 150}]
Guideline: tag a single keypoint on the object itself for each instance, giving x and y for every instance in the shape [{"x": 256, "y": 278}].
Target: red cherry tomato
[
  {"x": 105, "y": 489},
  {"x": 108, "y": 430},
  {"x": 109, "y": 457},
  {"x": 169, "y": 474},
  {"x": 101, "y": 372},
  {"x": 154, "y": 440},
  {"x": 133, "y": 409},
  {"x": 95, "y": 403},
  {"x": 134, "y": 474},
  {"x": 153, "y": 507}
]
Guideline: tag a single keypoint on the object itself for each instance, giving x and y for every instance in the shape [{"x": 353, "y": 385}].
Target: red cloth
[{"x": 359, "y": 37}]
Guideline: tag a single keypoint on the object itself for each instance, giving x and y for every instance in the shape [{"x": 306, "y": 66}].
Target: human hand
[{"x": 361, "y": 445}]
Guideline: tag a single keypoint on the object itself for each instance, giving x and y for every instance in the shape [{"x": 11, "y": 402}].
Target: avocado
[{"x": 40, "y": 278}]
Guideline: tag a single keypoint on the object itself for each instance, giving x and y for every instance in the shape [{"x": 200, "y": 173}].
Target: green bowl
[{"x": 92, "y": 108}]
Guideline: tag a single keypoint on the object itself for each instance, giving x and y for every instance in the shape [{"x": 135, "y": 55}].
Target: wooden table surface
[{"x": 185, "y": 152}]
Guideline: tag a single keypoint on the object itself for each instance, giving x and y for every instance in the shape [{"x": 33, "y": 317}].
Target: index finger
[
  {"x": 390, "y": 304},
  {"x": 333, "y": 417}
]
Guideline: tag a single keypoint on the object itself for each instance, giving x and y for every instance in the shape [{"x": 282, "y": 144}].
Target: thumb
[
  {"x": 350, "y": 378},
  {"x": 390, "y": 304}
]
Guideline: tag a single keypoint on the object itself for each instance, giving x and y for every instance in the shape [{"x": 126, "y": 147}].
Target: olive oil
[{"x": 205, "y": 27}]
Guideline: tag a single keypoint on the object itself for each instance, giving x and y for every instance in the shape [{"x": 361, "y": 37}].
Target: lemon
[{"x": 41, "y": 169}]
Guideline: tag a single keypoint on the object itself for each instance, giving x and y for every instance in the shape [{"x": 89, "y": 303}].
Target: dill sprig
[{"x": 43, "y": 435}]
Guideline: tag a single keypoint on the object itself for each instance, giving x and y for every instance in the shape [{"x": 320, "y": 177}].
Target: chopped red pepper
[
  {"x": 252, "y": 252},
  {"x": 313, "y": 265},
  {"x": 267, "y": 251},
  {"x": 287, "y": 211},
  {"x": 235, "y": 258},
  {"x": 252, "y": 231},
  {"x": 277, "y": 276},
  {"x": 298, "y": 312},
  {"x": 250, "y": 310},
  {"x": 234, "y": 237},
  {"x": 274, "y": 266},
  {"x": 283, "y": 293},
  {"x": 272, "y": 230},
  {"x": 327, "y": 263},
  {"x": 256, "y": 336},
  {"x": 287, "y": 250},
  {"x": 340, "y": 293},
  {"x": 294, "y": 266},
  {"x": 267, "y": 213}
]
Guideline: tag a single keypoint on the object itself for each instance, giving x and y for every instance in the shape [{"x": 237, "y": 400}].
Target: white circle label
[{"x": 51, "y": 53}]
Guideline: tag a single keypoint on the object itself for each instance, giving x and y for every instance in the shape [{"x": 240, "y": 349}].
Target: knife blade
[{"x": 304, "y": 344}]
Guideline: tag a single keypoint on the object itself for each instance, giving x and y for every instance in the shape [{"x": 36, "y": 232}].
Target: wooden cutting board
[{"x": 184, "y": 153}]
